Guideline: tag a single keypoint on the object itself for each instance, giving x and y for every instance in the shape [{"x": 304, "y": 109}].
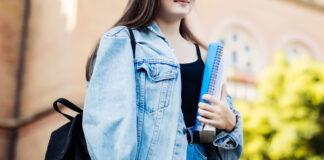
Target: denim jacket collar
[{"x": 154, "y": 27}]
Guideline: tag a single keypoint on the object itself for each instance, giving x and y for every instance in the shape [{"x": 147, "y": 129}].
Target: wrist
[{"x": 232, "y": 122}]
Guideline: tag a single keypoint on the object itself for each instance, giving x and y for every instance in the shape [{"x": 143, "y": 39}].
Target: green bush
[{"x": 286, "y": 120}]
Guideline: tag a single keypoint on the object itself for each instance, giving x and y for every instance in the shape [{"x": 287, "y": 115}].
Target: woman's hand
[{"x": 218, "y": 114}]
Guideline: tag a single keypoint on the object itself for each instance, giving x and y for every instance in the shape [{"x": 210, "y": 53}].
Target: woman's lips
[
  {"x": 182, "y": 2},
  {"x": 186, "y": 1}
]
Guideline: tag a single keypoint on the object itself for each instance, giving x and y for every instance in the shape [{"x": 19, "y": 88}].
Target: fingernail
[{"x": 205, "y": 96}]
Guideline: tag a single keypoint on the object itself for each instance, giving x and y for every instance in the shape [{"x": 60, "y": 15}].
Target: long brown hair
[{"x": 138, "y": 14}]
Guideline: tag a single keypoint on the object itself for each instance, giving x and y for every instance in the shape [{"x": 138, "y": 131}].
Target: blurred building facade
[{"x": 44, "y": 46}]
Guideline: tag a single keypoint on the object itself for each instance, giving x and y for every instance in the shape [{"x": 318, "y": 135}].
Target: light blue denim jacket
[{"x": 132, "y": 109}]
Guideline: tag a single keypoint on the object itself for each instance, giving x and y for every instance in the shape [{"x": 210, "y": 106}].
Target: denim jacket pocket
[{"x": 154, "y": 86}]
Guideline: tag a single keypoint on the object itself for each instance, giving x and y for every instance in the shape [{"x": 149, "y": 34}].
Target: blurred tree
[{"x": 286, "y": 121}]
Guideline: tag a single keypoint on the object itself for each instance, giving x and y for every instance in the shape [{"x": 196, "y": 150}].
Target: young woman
[{"x": 145, "y": 107}]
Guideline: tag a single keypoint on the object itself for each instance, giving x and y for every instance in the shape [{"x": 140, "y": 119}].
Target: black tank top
[{"x": 191, "y": 78}]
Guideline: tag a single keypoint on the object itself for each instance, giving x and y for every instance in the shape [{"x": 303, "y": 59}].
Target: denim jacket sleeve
[
  {"x": 231, "y": 141},
  {"x": 109, "y": 117}
]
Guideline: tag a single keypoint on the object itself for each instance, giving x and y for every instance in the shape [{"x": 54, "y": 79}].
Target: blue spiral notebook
[{"x": 213, "y": 78}]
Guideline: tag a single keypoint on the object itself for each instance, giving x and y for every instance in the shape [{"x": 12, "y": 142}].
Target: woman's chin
[
  {"x": 183, "y": 11},
  {"x": 179, "y": 14},
  {"x": 176, "y": 13}
]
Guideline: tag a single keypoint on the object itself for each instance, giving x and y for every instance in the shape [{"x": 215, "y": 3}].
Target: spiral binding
[{"x": 214, "y": 75}]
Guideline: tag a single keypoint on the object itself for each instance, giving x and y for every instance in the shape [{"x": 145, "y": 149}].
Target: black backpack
[{"x": 68, "y": 142}]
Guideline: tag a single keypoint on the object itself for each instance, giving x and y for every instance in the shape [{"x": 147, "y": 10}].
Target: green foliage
[{"x": 286, "y": 121}]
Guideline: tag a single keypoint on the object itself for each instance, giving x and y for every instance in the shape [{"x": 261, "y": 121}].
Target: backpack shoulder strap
[
  {"x": 133, "y": 41},
  {"x": 67, "y": 104}
]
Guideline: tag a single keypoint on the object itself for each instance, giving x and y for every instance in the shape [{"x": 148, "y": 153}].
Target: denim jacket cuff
[{"x": 226, "y": 140}]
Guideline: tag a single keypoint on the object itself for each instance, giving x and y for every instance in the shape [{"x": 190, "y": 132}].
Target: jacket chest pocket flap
[{"x": 154, "y": 85}]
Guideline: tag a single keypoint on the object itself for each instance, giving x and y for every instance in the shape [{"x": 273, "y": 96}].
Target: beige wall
[
  {"x": 62, "y": 49},
  {"x": 10, "y": 31},
  {"x": 59, "y": 43}
]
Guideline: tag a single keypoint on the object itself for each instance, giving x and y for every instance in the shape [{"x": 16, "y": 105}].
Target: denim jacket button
[{"x": 184, "y": 131}]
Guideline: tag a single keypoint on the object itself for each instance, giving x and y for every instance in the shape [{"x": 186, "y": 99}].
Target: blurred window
[
  {"x": 296, "y": 50},
  {"x": 240, "y": 49}
]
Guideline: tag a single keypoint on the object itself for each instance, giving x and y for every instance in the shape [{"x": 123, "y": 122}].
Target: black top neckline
[
  {"x": 190, "y": 62},
  {"x": 197, "y": 60}
]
